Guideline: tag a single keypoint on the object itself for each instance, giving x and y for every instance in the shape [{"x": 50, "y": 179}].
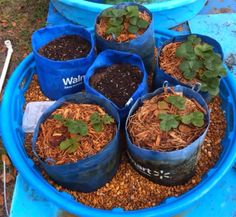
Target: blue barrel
[{"x": 13, "y": 103}]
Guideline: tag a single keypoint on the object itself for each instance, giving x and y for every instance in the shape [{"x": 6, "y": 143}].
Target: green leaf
[
  {"x": 114, "y": 30},
  {"x": 143, "y": 24},
  {"x": 185, "y": 68},
  {"x": 133, "y": 29},
  {"x": 98, "y": 127},
  {"x": 162, "y": 105},
  {"x": 211, "y": 74},
  {"x": 193, "y": 39},
  {"x": 72, "y": 148},
  {"x": 185, "y": 50},
  {"x": 221, "y": 71},
  {"x": 70, "y": 145},
  {"x": 98, "y": 121},
  {"x": 187, "y": 119},
  {"x": 58, "y": 117},
  {"x": 133, "y": 20},
  {"x": 195, "y": 118},
  {"x": 198, "y": 119},
  {"x": 107, "y": 13},
  {"x": 77, "y": 126},
  {"x": 95, "y": 118},
  {"x": 168, "y": 121},
  {"x": 118, "y": 12},
  {"x": 132, "y": 11},
  {"x": 202, "y": 49},
  {"x": 214, "y": 91},
  {"x": 107, "y": 119},
  {"x": 212, "y": 62},
  {"x": 116, "y": 21},
  {"x": 177, "y": 101}
]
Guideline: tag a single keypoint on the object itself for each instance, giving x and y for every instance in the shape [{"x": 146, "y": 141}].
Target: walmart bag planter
[
  {"x": 127, "y": 27},
  {"x": 192, "y": 61},
  {"x": 62, "y": 54},
  {"x": 118, "y": 77},
  {"x": 77, "y": 142},
  {"x": 164, "y": 131}
]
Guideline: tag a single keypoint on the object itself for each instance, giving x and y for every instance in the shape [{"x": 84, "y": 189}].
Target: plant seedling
[
  {"x": 98, "y": 121},
  {"x": 171, "y": 121},
  {"x": 199, "y": 61},
  {"x": 75, "y": 127},
  {"x": 168, "y": 121},
  {"x": 177, "y": 101},
  {"x": 116, "y": 18}
]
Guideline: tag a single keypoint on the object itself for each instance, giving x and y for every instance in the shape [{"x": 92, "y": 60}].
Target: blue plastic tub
[
  {"x": 166, "y": 14},
  {"x": 13, "y": 138}
]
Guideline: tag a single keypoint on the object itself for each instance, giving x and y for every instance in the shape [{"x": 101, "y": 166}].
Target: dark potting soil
[
  {"x": 117, "y": 82},
  {"x": 66, "y": 48}
]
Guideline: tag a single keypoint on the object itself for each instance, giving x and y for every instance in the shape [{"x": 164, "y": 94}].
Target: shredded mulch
[
  {"x": 117, "y": 82},
  {"x": 66, "y": 47},
  {"x": 169, "y": 63},
  {"x": 144, "y": 126},
  {"x": 101, "y": 27},
  {"x": 53, "y": 132},
  {"x": 130, "y": 190}
]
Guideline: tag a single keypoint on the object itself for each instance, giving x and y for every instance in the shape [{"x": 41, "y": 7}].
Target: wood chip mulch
[{"x": 132, "y": 191}]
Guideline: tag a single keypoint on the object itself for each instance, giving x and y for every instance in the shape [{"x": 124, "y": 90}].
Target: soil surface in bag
[
  {"x": 58, "y": 137},
  {"x": 66, "y": 47},
  {"x": 126, "y": 34},
  {"x": 117, "y": 82},
  {"x": 145, "y": 125},
  {"x": 130, "y": 190}
]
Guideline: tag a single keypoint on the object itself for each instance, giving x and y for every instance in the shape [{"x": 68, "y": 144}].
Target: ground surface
[{"x": 18, "y": 19}]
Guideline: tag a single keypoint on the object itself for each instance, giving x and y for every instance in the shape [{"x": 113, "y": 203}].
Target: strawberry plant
[
  {"x": 172, "y": 121},
  {"x": 199, "y": 61},
  {"x": 98, "y": 121},
  {"x": 116, "y": 18},
  {"x": 77, "y": 128}
]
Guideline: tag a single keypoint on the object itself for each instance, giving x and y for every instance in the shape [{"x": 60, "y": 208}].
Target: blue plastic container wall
[{"x": 166, "y": 14}]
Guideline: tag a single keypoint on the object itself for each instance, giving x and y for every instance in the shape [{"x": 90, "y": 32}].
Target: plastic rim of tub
[
  {"x": 158, "y": 6},
  {"x": 167, "y": 14},
  {"x": 13, "y": 137}
]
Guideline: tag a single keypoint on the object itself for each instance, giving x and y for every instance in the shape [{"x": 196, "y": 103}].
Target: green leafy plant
[
  {"x": 168, "y": 121},
  {"x": 199, "y": 61},
  {"x": 77, "y": 128},
  {"x": 117, "y": 17},
  {"x": 177, "y": 101},
  {"x": 70, "y": 145},
  {"x": 171, "y": 121},
  {"x": 98, "y": 121}
]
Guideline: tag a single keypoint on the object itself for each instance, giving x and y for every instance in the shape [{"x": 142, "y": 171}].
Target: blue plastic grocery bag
[
  {"x": 161, "y": 76},
  {"x": 59, "y": 78},
  {"x": 172, "y": 167},
  {"x": 143, "y": 45},
  {"x": 94, "y": 171},
  {"x": 110, "y": 57}
]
